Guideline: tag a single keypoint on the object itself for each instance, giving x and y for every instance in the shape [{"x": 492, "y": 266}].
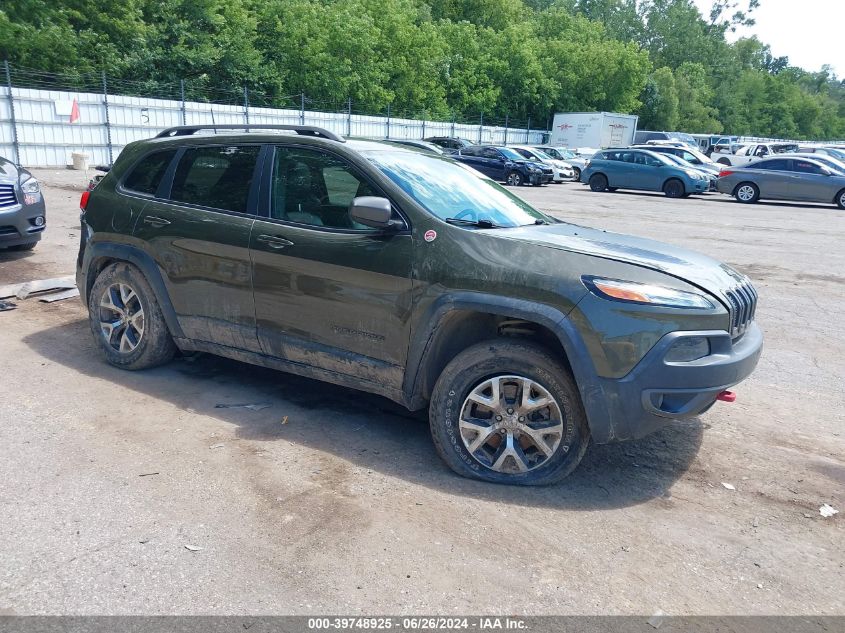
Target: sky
[{"x": 809, "y": 32}]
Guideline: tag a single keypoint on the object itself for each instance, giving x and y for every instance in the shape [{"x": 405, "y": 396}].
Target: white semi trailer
[{"x": 593, "y": 129}]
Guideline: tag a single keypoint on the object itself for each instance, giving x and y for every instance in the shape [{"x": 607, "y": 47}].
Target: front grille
[
  {"x": 743, "y": 305},
  {"x": 7, "y": 196}
]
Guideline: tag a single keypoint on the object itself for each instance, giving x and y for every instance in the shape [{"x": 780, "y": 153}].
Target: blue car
[
  {"x": 612, "y": 169},
  {"x": 504, "y": 165}
]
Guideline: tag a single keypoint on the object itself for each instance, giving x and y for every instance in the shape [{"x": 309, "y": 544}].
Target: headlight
[
  {"x": 534, "y": 170},
  {"x": 31, "y": 186},
  {"x": 632, "y": 292}
]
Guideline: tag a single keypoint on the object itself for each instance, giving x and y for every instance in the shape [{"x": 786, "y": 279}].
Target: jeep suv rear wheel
[
  {"x": 126, "y": 319},
  {"x": 508, "y": 412}
]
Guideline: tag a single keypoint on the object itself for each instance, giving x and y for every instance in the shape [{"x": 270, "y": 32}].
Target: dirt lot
[{"x": 106, "y": 476}]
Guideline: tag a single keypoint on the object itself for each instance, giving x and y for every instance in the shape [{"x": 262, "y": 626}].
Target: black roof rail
[{"x": 305, "y": 130}]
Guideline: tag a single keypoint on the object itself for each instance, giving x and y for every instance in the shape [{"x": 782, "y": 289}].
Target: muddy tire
[
  {"x": 507, "y": 411},
  {"x": 126, "y": 320}
]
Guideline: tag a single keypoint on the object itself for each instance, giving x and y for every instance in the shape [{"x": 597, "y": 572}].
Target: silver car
[{"x": 784, "y": 178}]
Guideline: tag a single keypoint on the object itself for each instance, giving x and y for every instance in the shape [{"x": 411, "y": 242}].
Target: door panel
[
  {"x": 327, "y": 292},
  {"x": 203, "y": 253}
]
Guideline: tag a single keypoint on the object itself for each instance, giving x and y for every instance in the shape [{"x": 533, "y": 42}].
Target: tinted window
[
  {"x": 470, "y": 151},
  {"x": 216, "y": 177},
  {"x": 312, "y": 187},
  {"x": 776, "y": 165},
  {"x": 806, "y": 167},
  {"x": 147, "y": 174},
  {"x": 524, "y": 152},
  {"x": 489, "y": 152}
]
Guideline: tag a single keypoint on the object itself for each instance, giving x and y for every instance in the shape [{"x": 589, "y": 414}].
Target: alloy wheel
[
  {"x": 121, "y": 318},
  {"x": 745, "y": 193},
  {"x": 511, "y": 424}
]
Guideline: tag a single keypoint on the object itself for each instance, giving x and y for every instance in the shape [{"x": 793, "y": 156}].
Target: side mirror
[{"x": 371, "y": 211}]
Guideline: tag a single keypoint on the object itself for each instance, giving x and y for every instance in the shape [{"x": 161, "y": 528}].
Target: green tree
[{"x": 660, "y": 101}]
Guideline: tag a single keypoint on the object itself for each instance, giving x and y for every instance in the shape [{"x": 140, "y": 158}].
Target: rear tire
[
  {"x": 598, "y": 182},
  {"x": 126, "y": 320},
  {"x": 747, "y": 193},
  {"x": 674, "y": 188},
  {"x": 503, "y": 446},
  {"x": 840, "y": 199}
]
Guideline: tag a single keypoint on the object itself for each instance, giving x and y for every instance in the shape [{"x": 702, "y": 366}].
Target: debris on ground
[
  {"x": 221, "y": 445},
  {"x": 70, "y": 293},
  {"x": 657, "y": 619},
  {"x": 24, "y": 290},
  {"x": 7, "y": 305},
  {"x": 193, "y": 548},
  {"x": 147, "y": 474},
  {"x": 729, "y": 486},
  {"x": 828, "y": 511},
  {"x": 285, "y": 420},
  {"x": 258, "y": 406}
]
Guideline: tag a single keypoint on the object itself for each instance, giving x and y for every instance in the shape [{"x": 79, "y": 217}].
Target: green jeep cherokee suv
[{"x": 411, "y": 276}]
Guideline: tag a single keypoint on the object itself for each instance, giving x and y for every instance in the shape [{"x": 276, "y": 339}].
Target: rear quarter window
[{"x": 146, "y": 175}]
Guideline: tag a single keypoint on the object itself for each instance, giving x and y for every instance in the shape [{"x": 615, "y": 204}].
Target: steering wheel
[{"x": 467, "y": 212}]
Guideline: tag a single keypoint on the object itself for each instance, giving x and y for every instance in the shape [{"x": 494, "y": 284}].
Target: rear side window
[
  {"x": 216, "y": 177},
  {"x": 774, "y": 165},
  {"x": 806, "y": 167},
  {"x": 148, "y": 172}
]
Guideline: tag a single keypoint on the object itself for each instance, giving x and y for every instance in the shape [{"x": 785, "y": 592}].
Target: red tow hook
[{"x": 726, "y": 396}]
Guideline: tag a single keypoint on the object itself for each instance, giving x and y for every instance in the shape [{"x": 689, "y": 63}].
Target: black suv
[
  {"x": 411, "y": 276},
  {"x": 505, "y": 165},
  {"x": 449, "y": 142}
]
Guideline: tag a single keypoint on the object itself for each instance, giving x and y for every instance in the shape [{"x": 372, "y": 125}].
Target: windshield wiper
[{"x": 480, "y": 223}]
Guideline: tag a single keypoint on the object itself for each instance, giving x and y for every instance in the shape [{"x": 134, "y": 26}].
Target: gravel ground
[{"x": 332, "y": 501}]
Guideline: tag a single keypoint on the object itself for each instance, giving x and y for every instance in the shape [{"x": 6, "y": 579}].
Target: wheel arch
[
  {"x": 100, "y": 255},
  {"x": 456, "y": 322}
]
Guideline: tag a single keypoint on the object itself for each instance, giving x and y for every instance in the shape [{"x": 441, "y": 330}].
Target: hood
[
  {"x": 9, "y": 173},
  {"x": 694, "y": 268}
]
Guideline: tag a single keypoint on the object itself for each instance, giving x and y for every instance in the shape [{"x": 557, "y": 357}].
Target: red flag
[{"x": 74, "y": 112}]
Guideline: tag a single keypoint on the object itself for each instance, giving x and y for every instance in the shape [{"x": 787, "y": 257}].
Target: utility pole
[{"x": 182, "y": 93}]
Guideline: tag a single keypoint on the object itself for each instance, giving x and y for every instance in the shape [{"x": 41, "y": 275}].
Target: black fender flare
[
  {"x": 142, "y": 261},
  {"x": 589, "y": 384}
]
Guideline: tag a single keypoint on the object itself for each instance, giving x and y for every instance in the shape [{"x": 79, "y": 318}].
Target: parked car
[
  {"x": 838, "y": 154},
  {"x": 710, "y": 176},
  {"x": 644, "y": 136},
  {"x": 422, "y": 146},
  {"x": 408, "y": 275},
  {"x": 23, "y": 214},
  {"x": 504, "y": 165},
  {"x": 561, "y": 170},
  {"x": 613, "y": 169},
  {"x": 692, "y": 156},
  {"x": 570, "y": 156},
  {"x": 750, "y": 153},
  {"x": 784, "y": 178},
  {"x": 449, "y": 142}
]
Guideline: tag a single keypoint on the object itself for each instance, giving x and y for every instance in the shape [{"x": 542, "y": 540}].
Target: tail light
[
  {"x": 83, "y": 201},
  {"x": 725, "y": 172}
]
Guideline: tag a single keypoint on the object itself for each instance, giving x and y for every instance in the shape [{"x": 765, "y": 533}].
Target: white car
[
  {"x": 750, "y": 153},
  {"x": 570, "y": 156},
  {"x": 562, "y": 169}
]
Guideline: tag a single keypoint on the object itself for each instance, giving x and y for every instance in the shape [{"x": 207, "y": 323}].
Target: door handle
[
  {"x": 155, "y": 221},
  {"x": 273, "y": 241}
]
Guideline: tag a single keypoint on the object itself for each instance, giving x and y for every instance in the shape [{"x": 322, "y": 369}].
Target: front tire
[
  {"x": 674, "y": 188},
  {"x": 126, "y": 320},
  {"x": 747, "y": 193},
  {"x": 507, "y": 411},
  {"x": 514, "y": 179},
  {"x": 598, "y": 182},
  {"x": 576, "y": 176}
]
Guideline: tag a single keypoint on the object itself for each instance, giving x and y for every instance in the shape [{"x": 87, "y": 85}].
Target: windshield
[
  {"x": 448, "y": 189},
  {"x": 513, "y": 155},
  {"x": 836, "y": 153},
  {"x": 541, "y": 154}
]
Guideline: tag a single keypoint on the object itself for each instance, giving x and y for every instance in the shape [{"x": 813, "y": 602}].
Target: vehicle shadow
[{"x": 373, "y": 432}]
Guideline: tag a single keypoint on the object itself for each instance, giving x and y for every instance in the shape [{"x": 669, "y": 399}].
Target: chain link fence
[{"x": 47, "y": 118}]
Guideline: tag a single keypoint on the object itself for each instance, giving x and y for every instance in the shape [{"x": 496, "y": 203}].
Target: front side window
[
  {"x": 215, "y": 177},
  {"x": 315, "y": 188},
  {"x": 148, "y": 172}
]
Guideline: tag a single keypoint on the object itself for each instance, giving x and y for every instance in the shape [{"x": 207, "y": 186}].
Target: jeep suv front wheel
[
  {"x": 126, "y": 319},
  {"x": 508, "y": 412}
]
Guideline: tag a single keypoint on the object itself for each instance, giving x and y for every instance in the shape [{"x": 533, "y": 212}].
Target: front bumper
[
  {"x": 658, "y": 391},
  {"x": 18, "y": 224},
  {"x": 540, "y": 179}
]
